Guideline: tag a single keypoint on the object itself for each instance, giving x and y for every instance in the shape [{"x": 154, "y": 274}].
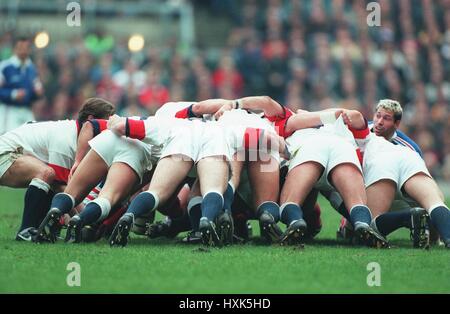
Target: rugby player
[
  {"x": 391, "y": 170},
  {"x": 186, "y": 143},
  {"x": 386, "y": 121},
  {"x": 39, "y": 156}
]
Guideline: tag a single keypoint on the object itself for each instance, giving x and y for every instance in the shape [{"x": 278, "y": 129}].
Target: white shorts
[
  {"x": 12, "y": 117},
  {"x": 200, "y": 140},
  {"x": 7, "y": 159},
  {"x": 398, "y": 165},
  {"x": 213, "y": 142},
  {"x": 235, "y": 138},
  {"x": 113, "y": 148},
  {"x": 329, "y": 150}
]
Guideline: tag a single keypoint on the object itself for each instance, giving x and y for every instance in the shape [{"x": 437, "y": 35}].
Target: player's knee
[{"x": 46, "y": 174}]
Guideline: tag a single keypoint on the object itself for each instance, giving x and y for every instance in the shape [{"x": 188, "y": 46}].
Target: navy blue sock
[
  {"x": 181, "y": 223},
  {"x": 391, "y": 221},
  {"x": 336, "y": 202},
  {"x": 291, "y": 212},
  {"x": 440, "y": 217},
  {"x": 212, "y": 204},
  {"x": 343, "y": 211},
  {"x": 195, "y": 213},
  {"x": 63, "y": 202},
  {"x": 45, "y": 206},
  {"x": 142, "y": 204},
  {"x": 360, "y": 213},
  {"x": 90, "y": 214},
  {"x": 272, "y": 208},
  {"x": 34, "y": 197},
  {"x": 228, "y": 198}
]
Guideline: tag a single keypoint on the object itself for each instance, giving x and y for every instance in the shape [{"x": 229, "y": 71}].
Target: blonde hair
[{"x": 391, "y": 105}]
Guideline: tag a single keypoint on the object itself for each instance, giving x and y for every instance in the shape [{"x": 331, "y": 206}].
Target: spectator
[{"x": 19, "y": 87}]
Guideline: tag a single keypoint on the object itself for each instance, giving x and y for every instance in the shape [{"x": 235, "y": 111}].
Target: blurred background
[{"x": 311, "y": 54}]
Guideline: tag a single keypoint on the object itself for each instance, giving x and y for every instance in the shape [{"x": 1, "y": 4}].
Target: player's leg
[
  {"x": 119, "y": 183},
  {"x": 380, "y": 196},
  {"x": 175, "y": 210},
  {"x": 24, "y": 169},
  {"x": 225, "y": 223},
  {"x": 299, "y": 182},
  {"x": 169, "y": 173},
  {"x": 30, "y": 172},
  {"x": 90, "y": 172},
  {"x": 349, "y": 182},
  {"x": 233, "y": 183},
  {"x": 312, "y": 213},
  {"x": 195, "y": 211},
  {"x": 265, "y": 196},
  {"x": 213, "y": 174},
  {"x": 393, "y": 169},
  {"x": 426, "y": 192}
]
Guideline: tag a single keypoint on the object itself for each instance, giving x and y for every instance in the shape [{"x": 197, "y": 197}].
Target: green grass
[{"x": 165, "y": 267}]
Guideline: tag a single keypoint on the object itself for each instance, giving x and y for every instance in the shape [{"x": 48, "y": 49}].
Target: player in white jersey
[
  {"x": 256, "y": 144},
  {"x": 249, "y": 136},
  {"x": 391, "y": 170},
  {"x": 307, "y": 167},
  {"x": 325, "y": 158},
  {"x": 124, "y": 161},
  {"x": 386, "y": 120},
  {"x": 186, "y": 143},
  {"x": 285, "y": 122},
  {"x": 39, "y": 156}
]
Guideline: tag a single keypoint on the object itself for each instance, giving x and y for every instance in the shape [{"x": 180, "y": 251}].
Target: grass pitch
[{"x": 163, "y": 266}]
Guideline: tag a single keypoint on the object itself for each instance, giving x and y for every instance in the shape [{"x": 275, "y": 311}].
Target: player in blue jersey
[{"x": 386, "y": 121}]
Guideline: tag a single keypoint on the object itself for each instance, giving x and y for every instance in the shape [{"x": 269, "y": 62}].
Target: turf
[{"x": 163, "y": 266}]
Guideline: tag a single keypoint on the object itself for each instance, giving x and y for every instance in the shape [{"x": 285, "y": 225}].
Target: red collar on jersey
[
  {"x": 280, "y": 121},
  {"x": 79, "y": 125}
]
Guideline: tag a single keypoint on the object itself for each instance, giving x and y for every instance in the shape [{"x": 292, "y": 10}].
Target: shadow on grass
[{"x": 253, "y": 242}]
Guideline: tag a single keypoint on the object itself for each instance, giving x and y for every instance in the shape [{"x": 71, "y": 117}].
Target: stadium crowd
[{"x": 305, "y": 54}]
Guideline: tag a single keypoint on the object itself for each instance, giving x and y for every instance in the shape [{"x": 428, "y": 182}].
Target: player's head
[
  {"x": 387, "y": 117},
  {"x": 22, "y": 47},
  {"x": 95, "y": 108}
]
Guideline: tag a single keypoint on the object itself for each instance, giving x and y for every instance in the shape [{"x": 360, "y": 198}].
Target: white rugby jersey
[
  {"x": 53, "y": 142},
  {"x": 157, "y": 131}
]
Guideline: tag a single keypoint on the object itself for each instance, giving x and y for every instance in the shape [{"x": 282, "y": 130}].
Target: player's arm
[
  {"x": 354, "y": 119},
  {"x": 209, "y": 106},
  {"x": 89, "y": 130},
  {"x": 127, "y": 127},
  {"x": 305, "y": 119},
  {"x": 266, "y": 104}
]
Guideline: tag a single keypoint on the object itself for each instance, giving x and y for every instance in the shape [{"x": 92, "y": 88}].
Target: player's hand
[
  {"x": 226, "y": 107},
  {"x": 346, "y": 117},
  {"x": 20, "y": 94},
  {"x": 38, "y": 89},
  {"x": 117, "y": 124}
]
